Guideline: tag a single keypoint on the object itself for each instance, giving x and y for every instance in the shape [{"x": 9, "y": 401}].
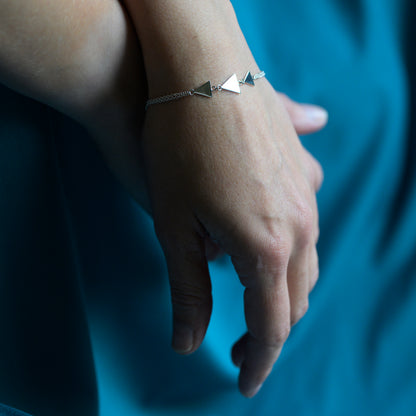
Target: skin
[
  {"x": 82, "y": 58},
  {"x": 231, "y": 170},
  {"x": 227, "y": 173}
]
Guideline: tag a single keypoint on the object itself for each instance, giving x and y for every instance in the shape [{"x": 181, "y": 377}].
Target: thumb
[
  {"x": 306, "y": 118},
  {"x": 190, "y": 286}
]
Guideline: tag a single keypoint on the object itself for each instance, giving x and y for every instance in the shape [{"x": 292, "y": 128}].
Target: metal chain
[
  {"x": 166, "y": 98},
  {"x": 178, "y": 95},
  {"x": 259, "y": 75}
]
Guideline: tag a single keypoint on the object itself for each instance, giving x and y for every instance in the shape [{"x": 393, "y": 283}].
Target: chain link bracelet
[{"x": 232, "y": 84}]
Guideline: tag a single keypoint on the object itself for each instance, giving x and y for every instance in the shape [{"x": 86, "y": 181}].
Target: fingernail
[
  {"x": 315, "y": 113},
  {"x": 183, "y": 339}
]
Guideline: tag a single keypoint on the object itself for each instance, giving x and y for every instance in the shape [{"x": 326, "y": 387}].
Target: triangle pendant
[
  {"x": 232, "y": 84},
  {"x": 204, "y": 90},
  {"x": 248, "y": 79}
]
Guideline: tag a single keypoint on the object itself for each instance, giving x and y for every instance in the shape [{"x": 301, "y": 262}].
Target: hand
[
  {"x": 232, "y": 169},
  {"x": 249, "y": 186},
  {"x": 119, "y": 144},
  {"x": 306, "y": 119},
  {"x": 96, "y": 76}
]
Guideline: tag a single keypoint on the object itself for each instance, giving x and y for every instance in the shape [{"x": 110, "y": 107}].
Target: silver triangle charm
[
  {"x": 204, "y": 90},
  {"x": 232, "y": 84},
  {"x": 248, "y": 79}
]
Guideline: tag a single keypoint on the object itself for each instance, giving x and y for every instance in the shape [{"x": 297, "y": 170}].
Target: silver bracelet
[{"x": 232, "y": 84}]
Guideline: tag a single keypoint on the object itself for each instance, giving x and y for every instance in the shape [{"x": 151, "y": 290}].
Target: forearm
[
  {"x": 187, "y": 41},
  {"x": 83, "y": 58},
  {"x": 69, "y": 54}
]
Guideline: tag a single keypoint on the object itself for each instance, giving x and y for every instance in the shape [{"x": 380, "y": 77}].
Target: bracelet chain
[{"x": 232, "y": 84}]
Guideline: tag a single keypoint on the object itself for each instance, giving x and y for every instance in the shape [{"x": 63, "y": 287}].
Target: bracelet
[{"x": 232, "y": 84}]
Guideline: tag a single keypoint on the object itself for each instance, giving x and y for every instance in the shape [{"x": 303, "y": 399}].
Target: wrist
[{"x": 185, "y": 44}]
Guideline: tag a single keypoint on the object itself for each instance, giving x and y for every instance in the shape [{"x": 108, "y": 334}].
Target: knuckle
[
  {"x": 277, "y": 336},
  {"x": 305, "y": 219},
  {"x": 187, "y": 297},
  {"x": 315, "y": 277},
  {"x": 282, "y": 334},
  {"x": 273, "y": 254},
  {"x": 178, "y": 241},
  {"x": 317, "y": 233},
  {"x": 300, "y": 312},
  {"x": 276, "y": 248},
  {"x": 316, "y": 173}
]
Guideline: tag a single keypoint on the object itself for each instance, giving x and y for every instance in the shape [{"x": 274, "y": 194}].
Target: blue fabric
[
  {"x": 84, "y": 301},
  {"x": 9, "y": 411}
]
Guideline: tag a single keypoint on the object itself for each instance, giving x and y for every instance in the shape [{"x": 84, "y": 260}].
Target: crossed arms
[{"x": 229, "y": 172}]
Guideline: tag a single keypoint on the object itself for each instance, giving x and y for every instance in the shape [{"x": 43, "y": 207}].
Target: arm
[
  {"x": 230, "y": 169},
  {"x": 82, "y": 58},
  {"x": 75, "y": 56}
]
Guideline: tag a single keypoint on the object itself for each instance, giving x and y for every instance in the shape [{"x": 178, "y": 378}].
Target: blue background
[{"x": 84, "y": 302}]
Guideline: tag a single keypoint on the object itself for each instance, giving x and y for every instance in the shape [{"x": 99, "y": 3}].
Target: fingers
[
  {"x": 298, "y": 281},
  {"x": 314, "y": 268},
  {"x": 306, "y": 118},
  {"x": 278, "y": 282},
  {"x": 268, "y": 322},
  {"x": 257, "y": 351},
  {"x": 303, "y": 272},
  {"x": 270, "y": 311},
  {"x": 315, "y": 172},
  {"x": 190, "y": 288},
  {"x": 212, "y": 250},
  {"x": 253, "y": 358},
  {"x": 267, "y": 311}
]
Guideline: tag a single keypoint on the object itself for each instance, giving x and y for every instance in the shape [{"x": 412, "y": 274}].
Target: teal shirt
[{"x": 85, "y": 315}]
